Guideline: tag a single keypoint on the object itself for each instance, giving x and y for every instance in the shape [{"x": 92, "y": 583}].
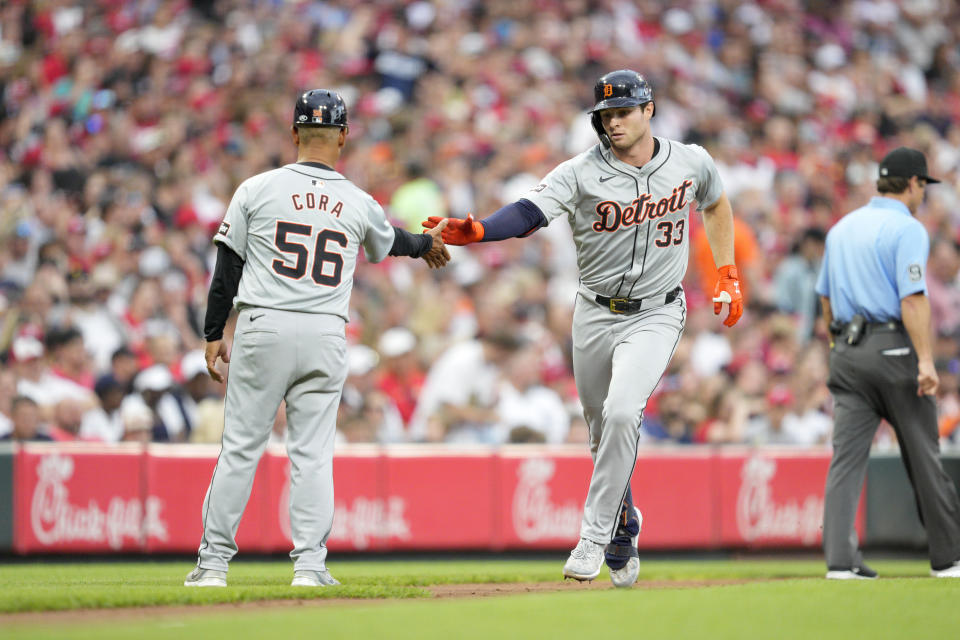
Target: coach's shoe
[
  {"x": 310, "y": 578},
  {"x": 585, "y": 561},
  {"x": 621, "y": 554},
  {"x": 953, "y": 571},
  {"x": 206, "y": 578},
  {"x": 863, "y": 572}
]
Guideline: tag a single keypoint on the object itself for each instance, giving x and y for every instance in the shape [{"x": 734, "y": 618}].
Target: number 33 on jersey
[{"x": 302, "y": 259}]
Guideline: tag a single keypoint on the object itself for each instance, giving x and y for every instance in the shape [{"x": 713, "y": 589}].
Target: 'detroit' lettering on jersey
[{"x": 634, "y": 242}]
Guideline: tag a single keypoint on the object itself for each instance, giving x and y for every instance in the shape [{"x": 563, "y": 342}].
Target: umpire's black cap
[
  {"x": 320, "y": 108},
  {"x": 904, "y": 162}
]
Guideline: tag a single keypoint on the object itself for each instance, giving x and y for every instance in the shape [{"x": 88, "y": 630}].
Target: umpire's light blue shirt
[{"x": 875, "y": 256}]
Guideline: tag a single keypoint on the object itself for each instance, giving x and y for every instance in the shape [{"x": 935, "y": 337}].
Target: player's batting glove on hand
[
  {"x": 458, "y": 232},
  {"x": 728, "y": 291}
]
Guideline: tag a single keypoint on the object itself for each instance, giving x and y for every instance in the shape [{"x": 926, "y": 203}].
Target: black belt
[
  {"x": 633, "y": 305},
  {"x": 889, "y": 325},
  {"x": 853, "y": 332},
  {"x": 892, "y": 326}
]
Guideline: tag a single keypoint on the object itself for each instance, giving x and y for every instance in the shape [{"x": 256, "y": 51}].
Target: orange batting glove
[
  {"x": 728, "y": 290},
  {"x": 458, "y": 232}
]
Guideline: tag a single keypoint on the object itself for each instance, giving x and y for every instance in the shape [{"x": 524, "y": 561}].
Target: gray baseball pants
[
  {"x": 618, "y": 360},
  {"x": 278, "y": 355},
  {"x": 867, "y": 385}
]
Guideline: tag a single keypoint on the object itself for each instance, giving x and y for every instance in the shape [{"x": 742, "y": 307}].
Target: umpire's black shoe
[{"x": 863, "y": 572}]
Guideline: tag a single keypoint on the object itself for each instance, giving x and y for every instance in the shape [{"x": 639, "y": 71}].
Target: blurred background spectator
[
  {"x": 460, "y": 397},
  {"x": 367, "y": 414},
  {"x": 795, "y": 278},
  {"x": 125, "y": 127},
  {"x": 26, "y": 423}
]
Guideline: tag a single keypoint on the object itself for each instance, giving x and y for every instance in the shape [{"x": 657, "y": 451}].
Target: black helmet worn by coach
[
  {"x": 320, "y": 108},
  {"x": 623, "y": 88}
]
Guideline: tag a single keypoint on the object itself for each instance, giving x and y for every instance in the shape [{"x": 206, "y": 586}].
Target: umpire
[{"x": 874, "y": 299}]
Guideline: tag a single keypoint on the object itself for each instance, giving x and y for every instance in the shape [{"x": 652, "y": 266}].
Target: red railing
[{"x": 89, "y": 498}]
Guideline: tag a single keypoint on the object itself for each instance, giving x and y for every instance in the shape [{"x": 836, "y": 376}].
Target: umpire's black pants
[{"x": 874, "y": 379}]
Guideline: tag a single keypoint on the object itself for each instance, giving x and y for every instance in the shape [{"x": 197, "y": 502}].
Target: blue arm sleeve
[{"x": 517, "y": 219}]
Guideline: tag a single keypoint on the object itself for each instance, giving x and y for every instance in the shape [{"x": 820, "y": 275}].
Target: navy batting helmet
[
  {"x": 320, "y": 108},
  {"x": 623, "y": 88}
]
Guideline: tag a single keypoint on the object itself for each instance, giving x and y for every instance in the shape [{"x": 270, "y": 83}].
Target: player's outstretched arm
[
  {"x": 515, "y": 220},
  {"x": 454, "y": 231},
  {"x": 718, "y": 225}
]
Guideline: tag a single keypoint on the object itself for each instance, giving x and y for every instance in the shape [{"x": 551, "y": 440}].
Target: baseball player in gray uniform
[
  {"x": 627, "y": 201},
  {"x": 287, "y": 249}
]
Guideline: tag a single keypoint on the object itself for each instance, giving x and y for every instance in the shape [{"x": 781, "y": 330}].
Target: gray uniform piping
[
  {"x": 203, "y": 539},
  {"x": 646, "y": 243},
  {"x": 310, "y": 175},
  {"x": 633, "y": 254},
  {"x": 636, "y": 444}
]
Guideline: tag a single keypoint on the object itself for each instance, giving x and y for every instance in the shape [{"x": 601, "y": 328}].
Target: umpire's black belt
[
  {"x": 890, "y": 326},
  {"x": 633, "y": 305}
]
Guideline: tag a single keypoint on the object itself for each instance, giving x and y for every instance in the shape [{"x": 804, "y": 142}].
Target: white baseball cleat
[
  {"x": 206, "y": 578},
  {"x": 953, "y": 571},
  {"x": 625, "y": 576},
  {"x": 310, "y": 578},
  {"x": 585, "y": 561}
]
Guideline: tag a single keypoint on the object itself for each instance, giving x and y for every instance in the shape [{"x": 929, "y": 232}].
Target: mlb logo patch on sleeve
[{"x": 224, "y": 227}]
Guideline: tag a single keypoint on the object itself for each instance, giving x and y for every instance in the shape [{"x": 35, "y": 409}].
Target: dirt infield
[{"x": 445, "y": 591}]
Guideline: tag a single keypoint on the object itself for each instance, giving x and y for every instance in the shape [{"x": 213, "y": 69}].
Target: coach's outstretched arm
[
  {"x": 718, "y": 225},
  {"x": 515, "y": 220}
]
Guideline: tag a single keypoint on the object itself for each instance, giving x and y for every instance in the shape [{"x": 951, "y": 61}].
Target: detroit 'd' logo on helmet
[
  {"x": 607, "y": 90},
  {"x": 613, "y": 216}
]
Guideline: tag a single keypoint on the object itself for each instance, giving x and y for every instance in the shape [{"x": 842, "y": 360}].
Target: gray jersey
[
  {"x": 299, "y": 229},
  {"x": 630, "y": 225}
]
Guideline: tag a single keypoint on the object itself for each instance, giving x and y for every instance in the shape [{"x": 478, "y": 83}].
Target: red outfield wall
[{"x": 88, "y": 498}]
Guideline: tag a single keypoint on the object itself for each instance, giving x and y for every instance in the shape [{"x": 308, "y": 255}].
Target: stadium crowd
[{"x": 125, "y": 126}]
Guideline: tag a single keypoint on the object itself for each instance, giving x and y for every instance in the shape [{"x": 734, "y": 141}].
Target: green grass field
[{"x": 777, "y": 598}]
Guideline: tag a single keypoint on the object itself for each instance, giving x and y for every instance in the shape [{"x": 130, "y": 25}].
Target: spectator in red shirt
[
  {"x": 144, "y": 305},
  {"x": 402, "y": 377}
]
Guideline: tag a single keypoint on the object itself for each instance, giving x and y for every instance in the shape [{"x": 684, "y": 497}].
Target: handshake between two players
[{"x": 466, "y": 231}]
